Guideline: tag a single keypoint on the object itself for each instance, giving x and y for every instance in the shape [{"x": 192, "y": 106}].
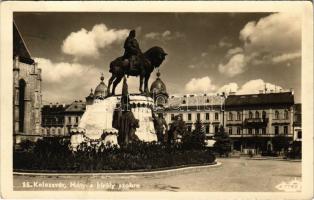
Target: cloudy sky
[{"x": 207, "y": 52}]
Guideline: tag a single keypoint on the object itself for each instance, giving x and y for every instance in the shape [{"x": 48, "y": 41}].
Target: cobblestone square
[{"x": 234, "y": 175}]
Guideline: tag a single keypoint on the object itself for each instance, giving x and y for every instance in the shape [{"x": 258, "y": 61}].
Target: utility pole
[{"x": 223, "y": 110}]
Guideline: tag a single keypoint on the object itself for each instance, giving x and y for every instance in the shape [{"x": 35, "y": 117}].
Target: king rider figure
[{"x": 132, "y": 50}]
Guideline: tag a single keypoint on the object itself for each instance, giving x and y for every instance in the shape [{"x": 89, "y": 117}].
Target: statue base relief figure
[{"x": 98, "y": 119}]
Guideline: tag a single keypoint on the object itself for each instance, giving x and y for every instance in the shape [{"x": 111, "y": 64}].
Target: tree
[
  {"x": 196, "y": 138},
  {"x": 281, "y": 142},
  {"x": 223, "y": 142}
]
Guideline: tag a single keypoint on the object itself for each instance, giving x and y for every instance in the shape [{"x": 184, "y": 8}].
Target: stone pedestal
[{"x": 98, "y": 117}]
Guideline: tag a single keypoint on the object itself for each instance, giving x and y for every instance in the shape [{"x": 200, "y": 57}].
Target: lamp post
[{"x": 223, "y": 109}]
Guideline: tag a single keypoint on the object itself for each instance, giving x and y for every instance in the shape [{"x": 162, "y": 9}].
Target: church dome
[
  {"x": 101, "y": 89},
  {"x": 158, "y": 86}
]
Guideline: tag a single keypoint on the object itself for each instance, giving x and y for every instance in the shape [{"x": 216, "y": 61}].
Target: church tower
[
  {"x": 158, "y": 92},
  {"x": 27, "y": 96}
]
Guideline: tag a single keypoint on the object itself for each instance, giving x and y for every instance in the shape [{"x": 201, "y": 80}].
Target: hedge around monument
[{"x": 53, "y": 155}]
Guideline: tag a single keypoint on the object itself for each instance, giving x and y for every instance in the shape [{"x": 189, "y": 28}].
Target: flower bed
[{"x": 55, "y": 156}]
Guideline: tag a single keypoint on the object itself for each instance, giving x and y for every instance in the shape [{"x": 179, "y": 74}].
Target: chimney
[{"x": 50, "y": 105}]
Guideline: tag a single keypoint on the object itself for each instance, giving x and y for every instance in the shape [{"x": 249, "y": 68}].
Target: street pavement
[{"x": 234, "y": 175}]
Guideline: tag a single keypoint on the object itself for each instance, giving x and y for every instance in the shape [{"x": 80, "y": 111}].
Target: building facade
[
  {"x": 53, "y": 120},
  {"x": 192, "y": 108},
  {"x": 73, "y": 114},
  {"x": 259, "y": 117},
  {"x": 27, "y": 96},
  {"x": 297, "y": 122},
  {"x": 57, "y": 119},
  {"x": 204, "y": 108}
]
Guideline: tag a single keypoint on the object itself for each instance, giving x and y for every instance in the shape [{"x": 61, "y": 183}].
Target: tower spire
[
  {"x": 158, "y": 73},
  {"x": 102, "y": 77}
]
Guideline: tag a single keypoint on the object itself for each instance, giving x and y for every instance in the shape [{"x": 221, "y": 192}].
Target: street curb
[
  {"x": 279, "y": 159},
  {"x": 144, "y": 173}
]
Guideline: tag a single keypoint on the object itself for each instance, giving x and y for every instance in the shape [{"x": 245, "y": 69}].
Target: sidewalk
[{"x": 273, "y": 158}]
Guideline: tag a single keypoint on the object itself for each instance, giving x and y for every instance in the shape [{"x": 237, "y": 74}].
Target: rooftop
[
  {"x": 76, "y": 106},
  {"x": 282, "y": 98},
  {"x": 19, "y": 47}
]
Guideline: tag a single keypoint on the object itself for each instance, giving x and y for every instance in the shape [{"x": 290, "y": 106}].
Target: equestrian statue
[{"x": 135, "y": 63}]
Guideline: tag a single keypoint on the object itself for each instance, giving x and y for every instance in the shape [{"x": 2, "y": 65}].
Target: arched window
[
  {"x": 286, "y": 115},
  {"x": 264, "y": 115},
  {"x": 22, "y": 86},
  {"x": 198, "y": 116},
  {"x": 256, "y": 114},
  {"x": 53, "y": 132},
  {"x": 238, "y": 116},
  {"x": 250, "y": 115},
  {"x": 230, "y": 116},
  {"x": 276, "y": 114},
  {"x": 238, "y": 130}
]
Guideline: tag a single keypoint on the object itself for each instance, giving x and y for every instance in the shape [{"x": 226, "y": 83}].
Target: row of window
[
  {"x": 207, "y": 101},
  {"x": 216, "y": 128},
  {"x": 52, "y": 131},
  {"x": 258, "y": 131},
  {"x": 198, "y": 116},
  {"x": 60, "y": 120},
  {"x": 76, "y": 119},
  {"x": 257, "y": 115}
]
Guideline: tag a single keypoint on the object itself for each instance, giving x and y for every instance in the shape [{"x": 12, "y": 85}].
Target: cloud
[
  {"x": 230, "y": 87},
  {"x": 285, "y": 57},
  {"x": 272, "y": 39},
  {"x": 84, "y": 43},
  {"x": 66, "y": 82},
  {"x": 234, "y": 66},
  {"x": 203, "y": 84},
  {"x": 234, "y": 51},
  {"x": 224, "y": 42},
  {"x": 254, "y": 86},
  {"x": 164, "y": 36},
  {"x": 192, "y": 66},
  {"x": 250, "y": 87},
  {"x": 203, "y": 54},
  {"x": 277, "y": 34},
  {"x": 56, "y": 72}
]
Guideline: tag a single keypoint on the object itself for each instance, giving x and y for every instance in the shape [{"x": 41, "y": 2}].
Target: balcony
[
  {"x": 280, "y": 121},
  {"x": 255, "y": 122},
  {"x": 233, "y": 122}
]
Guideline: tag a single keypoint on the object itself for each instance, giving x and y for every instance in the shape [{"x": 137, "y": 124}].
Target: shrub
[
  {"x": 55, "y": 155},
  {"x": 281, "y": 142},
  {"x": 26, "y": 145},
  {"x": 295, "y": 150},
  {"x": 194, "y": 139},
  {"x": 222, "y": 145}
]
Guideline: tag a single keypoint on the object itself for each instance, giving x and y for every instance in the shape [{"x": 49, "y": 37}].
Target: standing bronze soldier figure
[{"x": 160, "y": 124}]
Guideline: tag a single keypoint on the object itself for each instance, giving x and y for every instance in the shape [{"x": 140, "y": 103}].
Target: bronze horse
[{"x": 144, "y": 66}]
